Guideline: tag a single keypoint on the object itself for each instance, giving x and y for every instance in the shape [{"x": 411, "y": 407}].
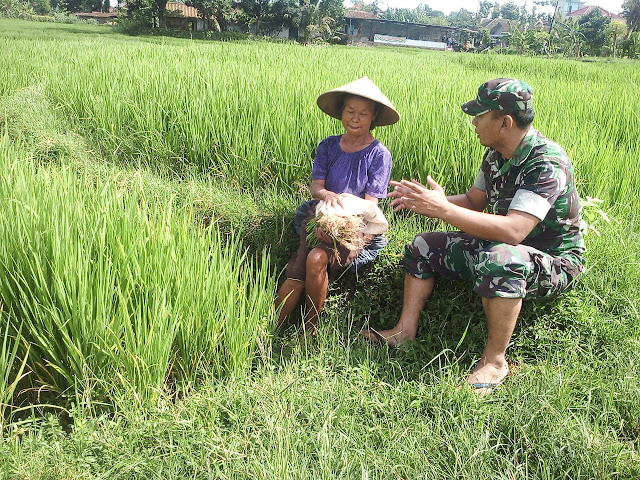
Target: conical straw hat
[{"x": 330, "y": 102}]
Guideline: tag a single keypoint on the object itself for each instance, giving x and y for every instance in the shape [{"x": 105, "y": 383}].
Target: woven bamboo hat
[{"x": 331, "y": 102}]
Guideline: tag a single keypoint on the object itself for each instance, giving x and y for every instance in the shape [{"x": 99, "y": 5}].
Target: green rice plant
[
  {"x": 118, "y": 289},
  {"x": 11, "y": 367},
  {"x": 242, "y": 114}
]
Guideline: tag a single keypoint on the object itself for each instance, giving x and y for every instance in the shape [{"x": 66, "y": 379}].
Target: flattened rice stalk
[{"x": 343, "y": 229}]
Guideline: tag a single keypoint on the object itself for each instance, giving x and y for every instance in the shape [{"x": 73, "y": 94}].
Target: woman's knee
[{"x": 317, "y": 260}]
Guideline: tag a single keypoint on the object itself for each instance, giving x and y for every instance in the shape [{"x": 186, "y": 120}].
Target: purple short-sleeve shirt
[{"x": 366, "y": 171}]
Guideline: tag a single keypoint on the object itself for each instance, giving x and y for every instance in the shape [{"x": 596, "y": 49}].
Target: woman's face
[{"x": 357, "y": 115}]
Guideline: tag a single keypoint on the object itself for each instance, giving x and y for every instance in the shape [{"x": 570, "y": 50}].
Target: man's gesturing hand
[{"x": 412, "y": 195}]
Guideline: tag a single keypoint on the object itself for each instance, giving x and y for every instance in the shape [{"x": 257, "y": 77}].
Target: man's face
[{"x": 488, "y": 126}]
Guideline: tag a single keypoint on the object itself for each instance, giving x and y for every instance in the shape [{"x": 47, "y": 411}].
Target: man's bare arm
[
  {"x": 512, "y": 228},
  {"x": 474, "y": 199}
]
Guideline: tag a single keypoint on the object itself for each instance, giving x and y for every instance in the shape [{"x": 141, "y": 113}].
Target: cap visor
[{"x": 474, "y": 108}]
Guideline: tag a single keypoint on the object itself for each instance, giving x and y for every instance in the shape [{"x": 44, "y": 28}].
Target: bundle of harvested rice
[
  {"x": 343, "y": 229},
  {"x": 347, "y": 223}
]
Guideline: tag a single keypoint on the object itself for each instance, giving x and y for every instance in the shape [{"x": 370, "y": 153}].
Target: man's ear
[{"x": 507, "y": 122}]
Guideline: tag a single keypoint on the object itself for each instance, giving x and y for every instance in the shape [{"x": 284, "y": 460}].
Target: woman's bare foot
[{"x": 392, "y": 337}]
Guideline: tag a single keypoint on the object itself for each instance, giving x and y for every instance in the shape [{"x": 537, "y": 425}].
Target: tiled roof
[
  {"x": 360, "y": 14},
  {"x": 586, "y": 10},
  {"x": 188, "y": 12},
  {"x": 492, "y": 23}
]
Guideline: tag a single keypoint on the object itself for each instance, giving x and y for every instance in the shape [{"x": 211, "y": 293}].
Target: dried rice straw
[{"x": 344, "y": 229}]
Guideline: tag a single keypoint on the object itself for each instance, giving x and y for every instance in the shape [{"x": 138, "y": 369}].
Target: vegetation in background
[
  {"x": 420, "y": 14},
  {"x": 312, "y": 20},
  {"x": 16, "y": 8},
  {"x": 182, "y": 106},
  {"x": 130, "y": 306},
  {"x": 593, "y": 26},
  {"x": 631, "y": 13},
  {"x": 530, "y": 32},
  {"x": 216, "y": 14}
]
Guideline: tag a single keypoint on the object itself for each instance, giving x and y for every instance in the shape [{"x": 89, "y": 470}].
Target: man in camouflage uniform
[{"x": 529, "y": 245}]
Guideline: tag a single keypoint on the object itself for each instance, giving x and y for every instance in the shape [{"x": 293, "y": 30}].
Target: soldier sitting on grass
[{"x": 528, "y": 247}]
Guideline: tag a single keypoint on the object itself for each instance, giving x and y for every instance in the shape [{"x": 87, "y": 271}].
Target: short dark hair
[
  {"x": 523, "y": 118},
  {"x": 376, "y": 106}
]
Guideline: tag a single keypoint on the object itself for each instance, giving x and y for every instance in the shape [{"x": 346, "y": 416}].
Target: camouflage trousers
[{"x": 497, "y": 269}]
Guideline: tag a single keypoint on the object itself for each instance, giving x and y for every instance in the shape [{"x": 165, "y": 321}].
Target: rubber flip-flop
[
  {"x": 379, "y": 339},
  {"x": 490, "y": 387},
  {"x": 485, "y": 385}
]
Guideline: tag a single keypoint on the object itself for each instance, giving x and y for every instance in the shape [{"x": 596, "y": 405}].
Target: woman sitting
[{"x": 352, "y": 163}]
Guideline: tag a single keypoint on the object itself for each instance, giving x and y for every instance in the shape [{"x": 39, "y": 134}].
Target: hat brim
[
  {"x": 331, "y": 102},
  {"x": 473, "y": 108}
]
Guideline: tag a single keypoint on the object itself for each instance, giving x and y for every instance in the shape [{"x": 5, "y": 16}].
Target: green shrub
[{"x": 15, "y": 9}]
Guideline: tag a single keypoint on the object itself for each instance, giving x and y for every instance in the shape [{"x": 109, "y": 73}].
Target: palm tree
[
  {"x": 631, "y": 13},
  {"x": 317, "y": 25},
  {"x": 572, "y": 36}
]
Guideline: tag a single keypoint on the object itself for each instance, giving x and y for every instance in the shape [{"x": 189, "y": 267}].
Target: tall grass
[
  {"x": 115, "y": 288},
  {"x": 245, "y": 112}
]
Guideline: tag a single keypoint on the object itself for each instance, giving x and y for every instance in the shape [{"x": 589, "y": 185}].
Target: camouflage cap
[{"x": 506, "y": 94}]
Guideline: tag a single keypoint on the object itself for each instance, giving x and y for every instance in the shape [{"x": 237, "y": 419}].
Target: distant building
[
  {"x": 180, "y": 15},
  {"x": 498, "y": 29},
  {"x": 100, "y": 17},
  {"x": 355, "y": 13},
  {"x": 365, "y": 28},
  {"x": 569, "y": 6},
  {"x": 586, "y": 10}
]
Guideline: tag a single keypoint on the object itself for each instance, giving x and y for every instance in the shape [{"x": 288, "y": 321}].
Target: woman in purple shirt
[{"x": 354, "y": 163}]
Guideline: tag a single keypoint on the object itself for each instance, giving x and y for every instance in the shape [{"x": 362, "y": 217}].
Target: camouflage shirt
[{"x": 537, "y": 180}]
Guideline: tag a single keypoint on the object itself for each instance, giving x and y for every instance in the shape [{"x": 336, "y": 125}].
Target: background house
[
  {"x": 180, "y": 15},
  {"x": 365, "y": 27},
  {"x": 100, "y": 17},
  {"x": 568, "y": 6},
  {"x": 498, "y": 29},
  {"x": 586, "y": 10}
]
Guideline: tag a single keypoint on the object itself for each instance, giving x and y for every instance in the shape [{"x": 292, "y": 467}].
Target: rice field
[
  {"x": 246, "y": 112},
  {"x": 148, "y": 186}
]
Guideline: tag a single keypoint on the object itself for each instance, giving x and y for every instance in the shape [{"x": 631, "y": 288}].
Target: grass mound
[{"x": 27, "y": 116}]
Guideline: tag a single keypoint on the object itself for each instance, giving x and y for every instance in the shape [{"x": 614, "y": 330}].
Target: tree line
[
  {"x": 531, "y": 32},
  {"x": 534, "y": 31},
  {"x": 311, "y": 18}
]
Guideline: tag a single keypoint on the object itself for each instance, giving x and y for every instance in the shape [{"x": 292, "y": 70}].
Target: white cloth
[{"x": 375, "y": 222}]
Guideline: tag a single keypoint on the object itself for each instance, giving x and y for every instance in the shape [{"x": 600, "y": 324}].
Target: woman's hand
[
  {"x": 332, "y": 199},
  {"x": 318, "y": 192},
  {"x": 412, "y": 195},
  {"x": 321, "y": 236}
]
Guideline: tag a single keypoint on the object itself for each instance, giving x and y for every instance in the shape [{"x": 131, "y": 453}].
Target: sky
[{"x": 447, "y": 6}]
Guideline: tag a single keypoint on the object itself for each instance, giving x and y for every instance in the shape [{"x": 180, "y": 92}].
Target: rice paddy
[{"x": 148, "y": 187}]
